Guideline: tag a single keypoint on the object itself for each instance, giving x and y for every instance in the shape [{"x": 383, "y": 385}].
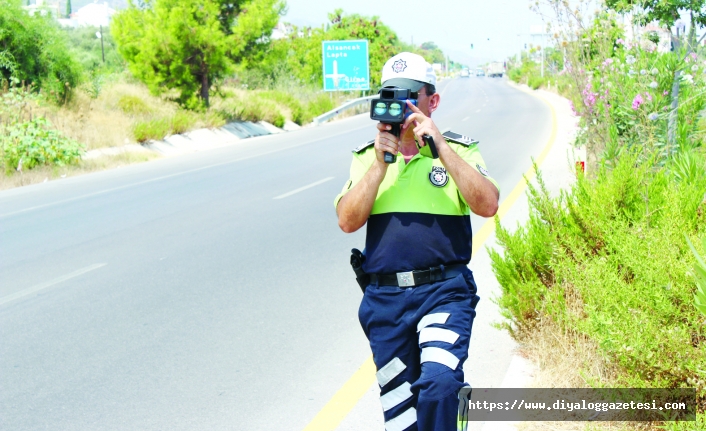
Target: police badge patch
[
  {"x": 438, "y": 176},
  {"x": 399, "y": 66},
  {"x": 482, "y": 170}
]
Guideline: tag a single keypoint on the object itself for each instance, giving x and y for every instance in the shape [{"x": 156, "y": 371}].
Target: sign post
[{"x": 345, "y": 65}]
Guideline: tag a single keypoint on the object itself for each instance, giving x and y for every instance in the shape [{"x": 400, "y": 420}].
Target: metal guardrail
[{"x": 350, "y": 104}]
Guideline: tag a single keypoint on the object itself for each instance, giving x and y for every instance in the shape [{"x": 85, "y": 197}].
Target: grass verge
[{"x": 604, "y": 269}]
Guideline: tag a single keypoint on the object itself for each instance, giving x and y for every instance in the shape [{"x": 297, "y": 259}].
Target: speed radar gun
[{"x": 391, "y": 108}]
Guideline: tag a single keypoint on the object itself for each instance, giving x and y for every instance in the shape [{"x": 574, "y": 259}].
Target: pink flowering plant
[
  {"x": 622, "y": 90},
  {"x": 606, "y": 262}
]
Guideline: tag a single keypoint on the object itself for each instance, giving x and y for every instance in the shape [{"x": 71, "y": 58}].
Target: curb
[{"x": 195, "y": 140}]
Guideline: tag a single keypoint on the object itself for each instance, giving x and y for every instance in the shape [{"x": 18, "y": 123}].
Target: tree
[
  {"x": 189, "y": 44},
  {"x": 382, "y": 41},
  {"x": 299, "y": 55},
  {"x": 432, "y": 53},
  {"x": 33, "y": 49},
  {"x": 68, "y": 9},
  {"x": 666, "y": 12}
]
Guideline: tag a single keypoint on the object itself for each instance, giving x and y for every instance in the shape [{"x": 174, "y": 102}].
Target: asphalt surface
[{"x": 198, "y": 292}]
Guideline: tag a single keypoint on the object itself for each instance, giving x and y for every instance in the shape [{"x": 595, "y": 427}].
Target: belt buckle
[{"x": 405, "y": 279}]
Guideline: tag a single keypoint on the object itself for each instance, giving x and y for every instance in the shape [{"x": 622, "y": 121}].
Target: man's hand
[
  {"x": 480, "y": 194},
  {"x": 385, "y": 142},
  {"x": 423, "y": 125}
]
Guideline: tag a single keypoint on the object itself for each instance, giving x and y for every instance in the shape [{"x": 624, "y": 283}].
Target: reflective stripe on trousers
[{"x": 419, "y": 337}]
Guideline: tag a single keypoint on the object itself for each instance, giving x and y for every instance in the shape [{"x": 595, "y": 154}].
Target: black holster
[{"x": 357, "y": 259}]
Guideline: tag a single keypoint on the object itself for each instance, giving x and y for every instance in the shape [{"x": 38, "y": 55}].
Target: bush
[
  {"x": 528, "y": 72},
  {"x": 290, "y": 101},
  {"x": 253, "y": 107},
  {"x": 156, "y": 129},
  {"x": 35, "y": 50},
  {"x": 535, "y": 81},
  {"x": 182, "y": 121},
  {"x": 608, "y": 260},
  {"x": 33, "y": 143},
  {"x": 133, "y": 105},
  {"x": 317, "y": 105}
]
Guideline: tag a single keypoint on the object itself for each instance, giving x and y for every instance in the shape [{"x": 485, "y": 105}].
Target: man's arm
[
  {"x": 354, "y": 207},
  {"x": 479, "y": 193}
]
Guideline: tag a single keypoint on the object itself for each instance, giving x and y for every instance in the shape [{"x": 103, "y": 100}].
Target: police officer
[{"x": 419, "y": 307}]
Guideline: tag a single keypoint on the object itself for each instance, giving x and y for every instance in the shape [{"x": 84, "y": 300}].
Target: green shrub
[
  {"x": 156, "y": 129},
  {"x": 35, "y": 50},
  {"x": 289, "y": 101},
  {"x": 254, "y": 107},
  {"x": 608, "y": 260},
  {"x": 213, "y": 118},
  {"x": 317, "y": 105},
  {"x": 33, "y": 143},
  {"x": 699, "y": 276},
  {"x": 279, "y": 120},
  {"x": 182, "y": 121},
  {"x": 133, "y": 105},
  {"x": 535, "y": 81},
  {"x": 515, "y": 74}
]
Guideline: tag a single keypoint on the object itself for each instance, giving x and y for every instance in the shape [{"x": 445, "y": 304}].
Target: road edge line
[
  {"x": 489, "y": 226},
  {"x": 343, "y": 401}
]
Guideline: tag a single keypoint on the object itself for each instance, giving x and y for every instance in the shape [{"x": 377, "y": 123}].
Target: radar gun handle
[
  {"x": 395, "y": 129},
  {"x": 432, "y": 146},
  {"x": 428, "y": 140}
]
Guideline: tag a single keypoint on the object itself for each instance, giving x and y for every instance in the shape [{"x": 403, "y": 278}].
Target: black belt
[{"x": 416, "y": 278}]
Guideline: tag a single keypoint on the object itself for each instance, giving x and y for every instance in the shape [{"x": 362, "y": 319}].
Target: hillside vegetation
[
  {"x": 605, "y": 275},
  {"x": 64, "y": 94}
]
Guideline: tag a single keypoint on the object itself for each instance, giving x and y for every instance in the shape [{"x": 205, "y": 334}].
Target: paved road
[{"x": 198, "y": 292}]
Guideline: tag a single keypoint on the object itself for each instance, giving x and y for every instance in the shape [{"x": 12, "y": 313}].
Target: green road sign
[{"x": 345, "y": 65}]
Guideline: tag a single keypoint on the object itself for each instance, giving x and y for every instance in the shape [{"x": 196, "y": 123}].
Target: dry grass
[
  {"x": 104, "y": 121},
  {"x": 98, "y": 123},
  {"x": 110, "y": 120},
  {"x": 46, "y": 173},
  {"x": 569, "y": 360}
]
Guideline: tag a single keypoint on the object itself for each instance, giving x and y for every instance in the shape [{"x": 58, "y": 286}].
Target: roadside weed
[
  {"x": 699, "y": 276},
  {"x": 607, "y": 260}
]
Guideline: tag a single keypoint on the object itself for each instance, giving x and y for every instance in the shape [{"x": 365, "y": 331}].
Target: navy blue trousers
[{"x": 419, "y": 337}]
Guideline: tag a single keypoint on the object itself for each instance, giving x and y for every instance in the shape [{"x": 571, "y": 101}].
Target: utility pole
[
  {"x": 672, "y": 121},
  {"x": 101, "y": 38}
]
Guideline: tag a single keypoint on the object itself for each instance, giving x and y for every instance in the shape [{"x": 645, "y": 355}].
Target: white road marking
[
  {"x": 38, "y": 287},
  {"x": 478, "y": 110},
  {"x": 301, "y": 189},
  {"x": 466, "y": 118}
]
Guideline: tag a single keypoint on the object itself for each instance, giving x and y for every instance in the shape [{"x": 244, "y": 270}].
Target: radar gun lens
[{"x": 395, "y": 109}]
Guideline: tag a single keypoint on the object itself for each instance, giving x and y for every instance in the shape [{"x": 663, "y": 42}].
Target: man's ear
[{"x": 434, "y": 102}]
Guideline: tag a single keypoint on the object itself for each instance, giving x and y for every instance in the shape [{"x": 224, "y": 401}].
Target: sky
[{"x": 496, "y": 28}]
